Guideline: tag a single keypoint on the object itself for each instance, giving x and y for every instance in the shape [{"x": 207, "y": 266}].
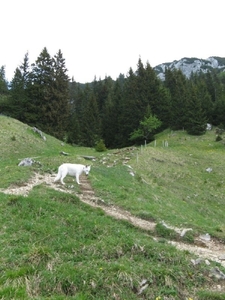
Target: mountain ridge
[{"x": 191, "y": 65}]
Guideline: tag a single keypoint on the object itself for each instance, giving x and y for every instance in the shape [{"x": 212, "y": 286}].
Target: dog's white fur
[{"x": 72, "y": 170}]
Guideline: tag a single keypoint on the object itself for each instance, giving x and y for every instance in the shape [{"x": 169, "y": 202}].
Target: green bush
[
  {"x": 218, "y": 138},
  {"x": 100, "y": 146}
]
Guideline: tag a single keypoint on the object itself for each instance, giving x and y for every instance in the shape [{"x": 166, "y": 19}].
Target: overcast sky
[{"x": 106, "y": 37}]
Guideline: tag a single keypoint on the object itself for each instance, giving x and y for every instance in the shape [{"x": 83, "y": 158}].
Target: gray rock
[
  {"x": 26, "y": 162},
  {"x": 217, "y": 273},
  {"x": 205, "y": 237}
]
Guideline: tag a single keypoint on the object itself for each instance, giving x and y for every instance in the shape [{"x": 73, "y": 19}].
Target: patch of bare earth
[{"x": 204, "y": 249}]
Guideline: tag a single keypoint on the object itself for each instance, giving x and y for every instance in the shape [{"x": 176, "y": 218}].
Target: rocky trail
[{"x": 204, "y": 248}]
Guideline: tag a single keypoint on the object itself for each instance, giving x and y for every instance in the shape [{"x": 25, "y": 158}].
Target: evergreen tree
[
  {"x": 4, "y": 99},
  {"x": 121, "y": 80},
  {"x": 210, "y": 91},
  {"x": 99, "y": 92},
  {"x": 58, "y": 106},
  {"x": 204, "y": 96},
  {"x": 163, "y": 109},
  {"x": 76, "y": 113},
  {"x": 131, "y": 112},
  {"x": 18, "y": 98},
  {"x": 50, "y": 93},
  {"x": 81, "y": 105},
  {"x": 151, "y": 92},
  {"x": 85, "y": 122},
  {"x": 20, "y": 105},
  {"x": 176, "y": 82},
  {"x": 91, "y": 124},
  {"x": 102, "y": 89},
  {"x": 158, "y": 96},
  {"x": 146, "y": 129},
  {"x": 41, "y": 93},
  {"x": 210, "y": 85},
  {"x": 218, "y": 87},
  {"x": 196, "y": 119},
  {"x": 112, "y": 120},
  {"x": 3, "y": 82},
  {"x": 143, "y": 89},
  {"x": 218, "y": 116}
]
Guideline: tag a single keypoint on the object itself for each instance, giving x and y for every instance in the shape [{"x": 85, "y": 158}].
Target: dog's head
[{"x": 87, "y": 169}]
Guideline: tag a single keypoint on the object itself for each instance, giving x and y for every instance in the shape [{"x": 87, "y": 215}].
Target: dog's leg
[
  {"x": 57, "y": 177},
  {"x": 62, "y": 177},
  {"x": 77, "y": 179},
  {"x": 62, "y": 180}
]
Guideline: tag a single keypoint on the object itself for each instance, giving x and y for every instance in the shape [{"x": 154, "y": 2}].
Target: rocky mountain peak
[{"x": 191, "y": 65}]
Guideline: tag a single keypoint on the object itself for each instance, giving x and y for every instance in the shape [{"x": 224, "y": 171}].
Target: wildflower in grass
[{"x": 158, "y": 298}]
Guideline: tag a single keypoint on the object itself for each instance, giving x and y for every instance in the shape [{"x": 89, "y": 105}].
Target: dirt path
[{"x": 205, "y": 250}]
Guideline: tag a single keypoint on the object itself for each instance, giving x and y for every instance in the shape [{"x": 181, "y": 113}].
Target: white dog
[{"x": 72, "y": 170}]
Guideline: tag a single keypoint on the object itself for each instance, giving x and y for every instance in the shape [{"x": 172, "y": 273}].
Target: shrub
[
  {"x": 218, "y": 138},
  {"x": 100, "y": 146}
]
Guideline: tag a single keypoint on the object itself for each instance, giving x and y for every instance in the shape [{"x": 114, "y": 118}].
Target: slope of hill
[
  {"x": 19, "y": 141},
  {"x": 55, "y": 246}
]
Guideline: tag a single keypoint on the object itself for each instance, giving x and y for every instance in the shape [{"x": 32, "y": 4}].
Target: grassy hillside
[
  {"x": 18, "y": 141},
  {"x": 171, "y": 183},
  {"x": 53, "y": 246}
]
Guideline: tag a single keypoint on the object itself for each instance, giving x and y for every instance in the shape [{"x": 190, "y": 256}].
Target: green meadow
[{"x": 54, "y": 246}]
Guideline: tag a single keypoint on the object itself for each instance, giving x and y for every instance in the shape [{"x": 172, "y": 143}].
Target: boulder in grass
[
  {"x": 39, "y": 132},
  {"x": 87, "y": 157},
  {"x": 26, "y": 162}
]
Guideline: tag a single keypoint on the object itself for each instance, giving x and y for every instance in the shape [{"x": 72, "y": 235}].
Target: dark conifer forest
[{"x": 123, "y": 112}]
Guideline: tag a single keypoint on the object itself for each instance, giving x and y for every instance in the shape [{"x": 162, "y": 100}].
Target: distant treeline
[{"x": 129, "y": 110}]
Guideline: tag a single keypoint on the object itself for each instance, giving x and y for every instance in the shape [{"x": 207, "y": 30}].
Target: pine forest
[{"x": 118, "y": 113}]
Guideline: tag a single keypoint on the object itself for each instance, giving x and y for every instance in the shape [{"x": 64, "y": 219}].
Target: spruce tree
[
  {"x": 143, "y": 89},
  {"x": 176, "y": 82},
  {"x": 218, "y": 116},
  {"x": 76, "y": 96},
  {"x": 18, "y": 97},
  {"x": 147, "y": 127},
  {"x": 4, "y": 99},
  {"x": 41, "y": 93},
  {"x": 158, "y": 97},
  {"x": 210, "y": 86},
  {"x": 91, "y": 125},
  {"x": 196, "y": 119},
  {"x": 131, "y": 111},
  {"x": 204, "y": 96},
  {"x": 21, "y": 106},
  {"x": 112, "y": 120},
  {"x": 59, "y": 103},
  {"x": 3, "y": 82},
  {"x": 50, "y": 93}
]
